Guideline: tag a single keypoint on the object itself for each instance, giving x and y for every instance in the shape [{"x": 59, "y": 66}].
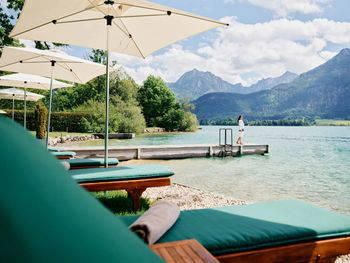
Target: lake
[{"x": 307, "y": 163}]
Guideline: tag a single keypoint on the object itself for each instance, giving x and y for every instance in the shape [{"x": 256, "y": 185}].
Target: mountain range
[
  {"x": 321, "y": 92},
  {"x": 194, "y": 84}
]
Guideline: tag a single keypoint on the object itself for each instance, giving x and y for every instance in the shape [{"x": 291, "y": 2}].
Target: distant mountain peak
[
  {"x": 321, "y": 92},
  {"x": 195, "y": 83},
  {"x": 344, "y": 52},
  {"x": 288, "y": 73}
]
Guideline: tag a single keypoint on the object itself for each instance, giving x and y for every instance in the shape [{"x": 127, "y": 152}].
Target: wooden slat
[
  {"x": 315, "y": 251},
  {"x": 165, "y": 255},
  {"x": 126, "y": 185},
  {"x": 89, "y": 167},
  {"x": 185, "y": 257},
  {"x": 193, "y": 255},
  {"x": 189, "y": 251},
  {"x": 206, "y": 256},
  {"x": 174, "y": 254}
]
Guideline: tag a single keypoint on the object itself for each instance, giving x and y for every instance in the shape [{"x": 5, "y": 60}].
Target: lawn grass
[
  {"x": 119, "y": 204},
  {"x": 332, "y": 122}
]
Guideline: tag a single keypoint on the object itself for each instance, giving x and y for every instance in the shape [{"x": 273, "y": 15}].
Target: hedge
[{"x": 60, "y": 121}]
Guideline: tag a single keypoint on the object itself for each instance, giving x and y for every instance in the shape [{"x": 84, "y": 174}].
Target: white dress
[{"x": 241, "y": 128}]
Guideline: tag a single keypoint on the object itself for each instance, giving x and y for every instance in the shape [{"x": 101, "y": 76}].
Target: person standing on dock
[{"x": 240, "y": 129}]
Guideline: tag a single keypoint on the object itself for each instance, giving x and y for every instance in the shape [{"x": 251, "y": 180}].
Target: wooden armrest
[{"x": 183, "y": 251}]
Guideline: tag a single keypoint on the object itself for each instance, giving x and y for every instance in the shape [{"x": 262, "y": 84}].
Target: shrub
[
  {"x": 126, "y": 117},
  {"x": 68, "y": 121},
  {"x": 189, "y": 122},
  {"x": 40, "y": 120},
  {"x": 19, "y": 117},
  {"x": 179, "y": 120},
  {"x": 60, "y": 121}
]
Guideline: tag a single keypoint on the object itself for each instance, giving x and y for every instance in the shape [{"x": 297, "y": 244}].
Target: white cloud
[
  {"x": 260, "y": 50},
  {"x": 285, "y": 7}
]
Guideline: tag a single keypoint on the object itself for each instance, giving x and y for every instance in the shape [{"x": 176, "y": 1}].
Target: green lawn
[
  {"x": 119, "y": 203},
  {"x": 333, "y": 122}
]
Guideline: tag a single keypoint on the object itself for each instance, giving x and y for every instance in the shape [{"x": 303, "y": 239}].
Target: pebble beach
[{"x": 190, "y": 198}]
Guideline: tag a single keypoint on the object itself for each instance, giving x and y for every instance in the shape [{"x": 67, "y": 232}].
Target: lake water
[{"x": 307, "y": 163}]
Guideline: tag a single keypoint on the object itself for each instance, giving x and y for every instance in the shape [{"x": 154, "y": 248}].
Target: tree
[
  {"x": 156, "y": 99},
  {"x": 5, "y": 29},
  {"x": 15, "y": 7},
  {"x": 186, "y": 105},
  {"x": 160, "y": 107}
]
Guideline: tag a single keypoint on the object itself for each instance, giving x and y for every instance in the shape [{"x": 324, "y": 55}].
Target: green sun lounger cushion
[
  {"x": 47, "y": 217},
  {"x": 78, "y": 162},
  {"x": 53, "y": 149},
  {"x": 71, "y": 154},
  {"x": 120, "y": 173},
  {"x": 240, "y": 228}
]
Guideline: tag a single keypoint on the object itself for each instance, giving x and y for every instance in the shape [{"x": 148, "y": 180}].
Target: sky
[{"x": 265, "y": 38}]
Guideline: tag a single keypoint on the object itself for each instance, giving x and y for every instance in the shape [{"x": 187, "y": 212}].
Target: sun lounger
[
  {"x": 134, "y": 179},
  {"x": 79, "y": 163},
  {"x": 283, "y": 231},
  {"x": 63, "y": 155},
  {"x": 46, "y": 217},
  {"x": 53, "y": 149}
]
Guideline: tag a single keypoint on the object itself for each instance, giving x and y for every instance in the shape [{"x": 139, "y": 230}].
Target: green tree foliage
[
  {"x": 156, "y": 99},
  {"x": 16, "y": 5},
  {"x": 125, "y": 112},
  {"x": 180, "y": 120},
  {"x": 5, "y": 29},
  {"x": 160, "y": 108},
  {"x": 6, "y": 25},
  {"x": 124, "y": 118},
  {"x": 186, "y": 104}
]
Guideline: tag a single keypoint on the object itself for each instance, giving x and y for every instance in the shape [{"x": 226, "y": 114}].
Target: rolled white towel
[
  {"x": 156, "y": 221},
  {"x": 66, "y": 165}
]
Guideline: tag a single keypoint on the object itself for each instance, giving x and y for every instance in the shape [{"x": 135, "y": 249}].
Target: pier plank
[{"x": 166, "y": 152}]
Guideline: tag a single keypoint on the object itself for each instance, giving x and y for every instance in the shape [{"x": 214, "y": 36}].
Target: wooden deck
[{"x": 164, "y": 152}]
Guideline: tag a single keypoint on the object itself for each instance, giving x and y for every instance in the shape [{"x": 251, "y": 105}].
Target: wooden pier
[{"x": 165, "y": 152}]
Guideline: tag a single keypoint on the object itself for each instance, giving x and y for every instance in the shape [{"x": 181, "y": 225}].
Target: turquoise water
[{"x": 307, "y": 163}]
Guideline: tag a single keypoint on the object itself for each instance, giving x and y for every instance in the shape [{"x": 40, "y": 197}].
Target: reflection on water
[{"x": 308, "y": 163}]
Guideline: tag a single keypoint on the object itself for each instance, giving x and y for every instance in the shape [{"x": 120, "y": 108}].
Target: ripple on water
[{"x": 308, "y": 163}]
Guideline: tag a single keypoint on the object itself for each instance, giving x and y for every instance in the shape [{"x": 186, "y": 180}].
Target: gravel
[
  {"x": 343, "y": 259},
  {"x": 191, "y": 198}
]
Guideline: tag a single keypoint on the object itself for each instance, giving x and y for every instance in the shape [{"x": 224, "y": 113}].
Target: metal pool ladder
[{"x": 226, "y": 142}]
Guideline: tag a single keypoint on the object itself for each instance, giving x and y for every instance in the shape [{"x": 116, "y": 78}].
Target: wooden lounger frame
[
  {"x": 135, "y": 188},
  {"x": 321, "y": 251},
  {"x": 96, "y": 166},
  {"x": 324, "y": 251},
  {"x": 64, "y": 157}
]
